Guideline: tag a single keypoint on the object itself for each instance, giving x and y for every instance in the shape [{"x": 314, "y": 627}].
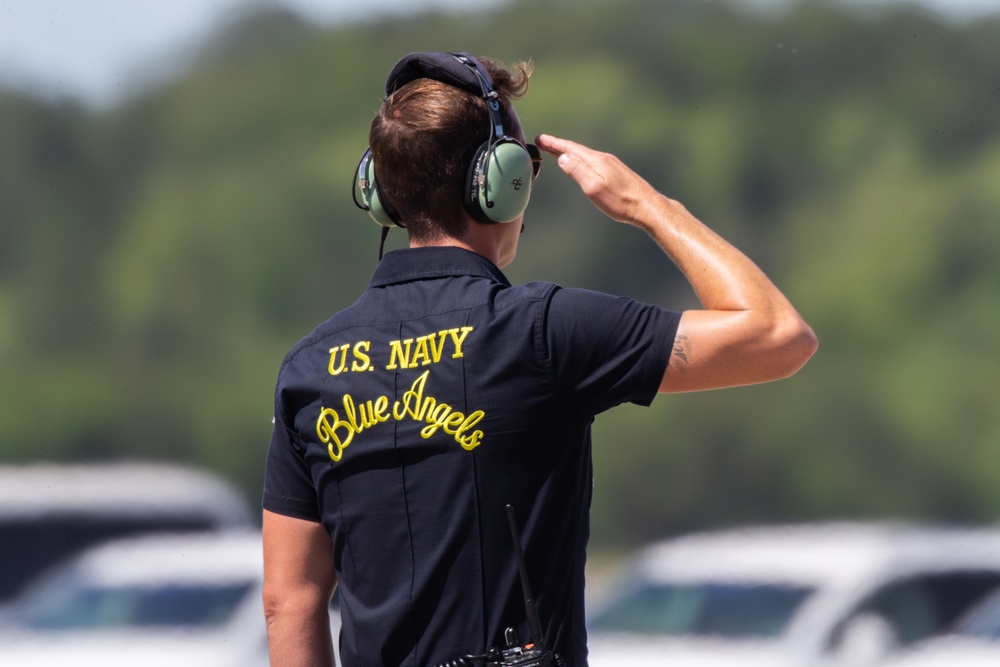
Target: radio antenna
[{"x": 529, "y": 602}]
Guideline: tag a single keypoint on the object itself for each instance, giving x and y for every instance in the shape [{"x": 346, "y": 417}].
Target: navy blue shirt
[{"x": 408, "y": 421}]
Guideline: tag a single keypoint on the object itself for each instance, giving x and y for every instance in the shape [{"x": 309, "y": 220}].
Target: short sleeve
[
  {"x": 607, "y": 350},
  {"x": 288, "y": 484}
]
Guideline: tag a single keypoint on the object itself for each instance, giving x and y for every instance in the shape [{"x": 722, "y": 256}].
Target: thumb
[
  {"x": 581, "y": 172},
  {"x": 568, "y": 163}
]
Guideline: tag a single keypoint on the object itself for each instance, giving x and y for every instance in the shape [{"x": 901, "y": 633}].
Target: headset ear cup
[
  {"x": 472, "y": 185},
  {"x": 507, "y": 170},
  {"x": 371, "y": 196}
]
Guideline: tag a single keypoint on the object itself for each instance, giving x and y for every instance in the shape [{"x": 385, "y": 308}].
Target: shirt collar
[{"x": 400, "y": 266}]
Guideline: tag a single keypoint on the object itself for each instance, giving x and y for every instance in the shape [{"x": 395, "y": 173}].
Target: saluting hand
[{"x": 609, "y": 183}]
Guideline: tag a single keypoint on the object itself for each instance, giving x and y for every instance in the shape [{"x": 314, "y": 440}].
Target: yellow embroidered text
[
  {"x": 338, "y": 432},
  {"x": 361, "y": 360},
  {"x": 428, "y": 349},
  {"x": 405, "y": 353},
  {"x": 438, "y": 415}
]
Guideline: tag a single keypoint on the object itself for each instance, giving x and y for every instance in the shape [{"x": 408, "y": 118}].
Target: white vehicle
[
  {"x": 974, "y": 642},
  {"x": 797, "y": 596},
  {"x": 178, "y": 600},
  {"x": 49, "y": 513}
]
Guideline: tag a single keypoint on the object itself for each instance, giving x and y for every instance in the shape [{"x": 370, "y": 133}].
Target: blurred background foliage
[{"x": 159, "y": 257}]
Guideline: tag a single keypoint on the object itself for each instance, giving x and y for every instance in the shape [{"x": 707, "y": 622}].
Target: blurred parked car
[
  {"x": 802, "y": 596},
  {"x": 49, "y": 513},
  {"x": 185, "y": 600},
  {"x": 973, "y": 642},
  {"x": 180, "y": 600}
]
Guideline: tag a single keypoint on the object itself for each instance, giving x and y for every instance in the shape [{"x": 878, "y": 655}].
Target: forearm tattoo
[{"x": 680, "y": 349}]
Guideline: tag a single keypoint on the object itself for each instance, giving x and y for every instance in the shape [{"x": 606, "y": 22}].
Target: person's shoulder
[
  {"x": 339, "y": 321},
  {"x": 555, "y": 296},
  {"x": 533, "y": 291}
]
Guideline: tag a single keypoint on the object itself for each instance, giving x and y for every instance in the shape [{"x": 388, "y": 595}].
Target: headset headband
[{"x": 459, "y": 70}]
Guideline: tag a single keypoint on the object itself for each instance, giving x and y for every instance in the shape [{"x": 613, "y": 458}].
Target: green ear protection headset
[{"x": 498, "y": 182}]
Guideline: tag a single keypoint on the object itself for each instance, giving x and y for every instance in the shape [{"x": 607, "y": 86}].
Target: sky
[{"x": 95, "y": 50}]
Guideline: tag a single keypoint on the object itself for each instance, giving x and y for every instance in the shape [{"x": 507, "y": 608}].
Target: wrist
[{"x": 657, "y": 210}]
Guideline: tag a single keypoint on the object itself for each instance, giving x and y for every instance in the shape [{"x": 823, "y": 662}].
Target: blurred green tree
[{"x": 158, "y": 259}]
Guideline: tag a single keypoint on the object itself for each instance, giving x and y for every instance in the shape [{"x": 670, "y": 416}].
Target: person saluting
[{"x": 406, "y": 423}]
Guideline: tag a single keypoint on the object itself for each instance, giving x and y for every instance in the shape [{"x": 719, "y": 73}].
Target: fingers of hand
[
  {"x": 582, "y": 171},
  {"x": 601, "y": 176},
  {"x": 552, "y": 145},
  {"x": 556, "y": 146}
]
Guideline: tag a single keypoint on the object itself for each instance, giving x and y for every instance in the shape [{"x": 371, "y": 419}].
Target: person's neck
[{"x": 480, "y": 239}]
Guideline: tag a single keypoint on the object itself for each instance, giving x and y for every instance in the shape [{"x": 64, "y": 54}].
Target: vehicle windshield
[
  {"x": 729, "y": 610},
  {"x": 156, "y": 605}
]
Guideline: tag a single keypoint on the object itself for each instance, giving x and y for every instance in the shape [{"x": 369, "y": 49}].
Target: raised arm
[
  {"x": 747, "y": 331},
  {"x": 299, "y": 581}
]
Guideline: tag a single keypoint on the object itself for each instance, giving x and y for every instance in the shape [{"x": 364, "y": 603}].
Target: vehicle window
[
  {"x": 956, "y": 593},
  {"x": 721, "y": 610},
  {"x": 45, "y": 542},
  {"x": 155, "y": 605},
  {"x": 983, "y": 621},
  {"x": 919, "y": 607},
  {"x": 908, "y": 607}
]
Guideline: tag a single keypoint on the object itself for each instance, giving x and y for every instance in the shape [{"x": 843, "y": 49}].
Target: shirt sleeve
[
  {"x": 288, "y": 484},
  {"x": 607, "y": 350}
]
